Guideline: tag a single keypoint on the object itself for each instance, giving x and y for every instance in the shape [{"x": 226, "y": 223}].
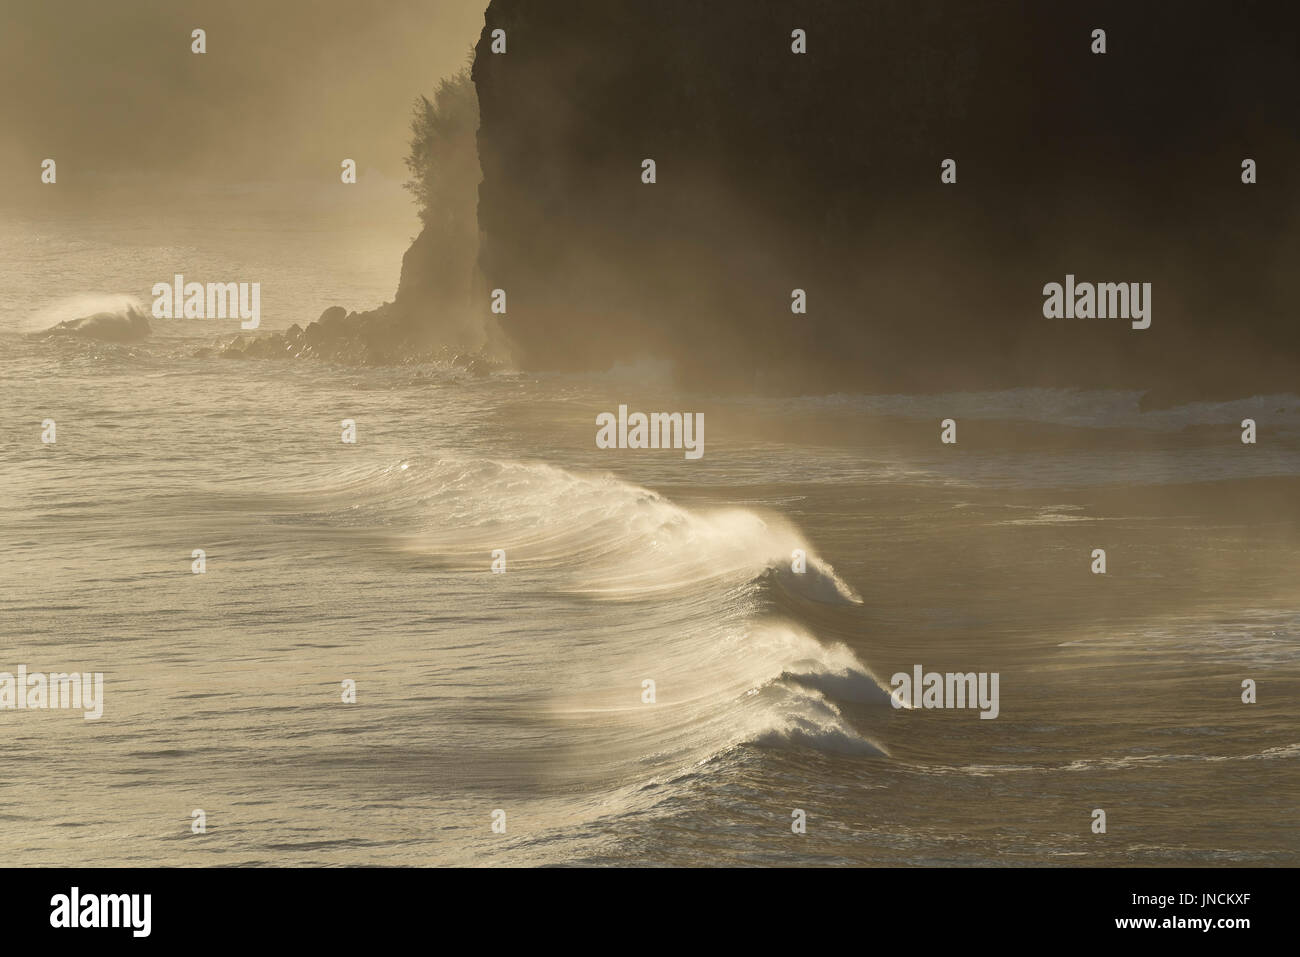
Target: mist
[{"x": 283, "y": 94}]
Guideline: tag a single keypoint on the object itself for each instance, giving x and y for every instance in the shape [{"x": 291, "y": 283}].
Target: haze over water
[{"x": 523, "y": 691}]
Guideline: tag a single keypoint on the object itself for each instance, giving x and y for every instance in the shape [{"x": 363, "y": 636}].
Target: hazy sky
[{"x": 286, "y": 90}]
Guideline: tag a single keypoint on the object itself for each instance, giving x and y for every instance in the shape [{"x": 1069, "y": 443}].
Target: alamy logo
[
  {"x": 658, "y": 430},
  {"x": 103, "y": 910},
  {"x": 34, "y": 691},
  {"x": 951, "y": 690},
  {"x": 1103, "y": 300},
  {"x": 215, "y": 300}
]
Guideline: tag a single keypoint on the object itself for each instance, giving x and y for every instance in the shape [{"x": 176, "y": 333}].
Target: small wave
[
  {"x": 1280, "y": 752},
  {"x": 817, "y": 583},
  {"x": 714, "y": 603},
  {"x": 801, "y": 717},
  {"x": 849, "y": 683},
  {"x": 109, "y": 316},
  {"x": 1081, "y": 408},
  {"x": 617, "y": 540}
]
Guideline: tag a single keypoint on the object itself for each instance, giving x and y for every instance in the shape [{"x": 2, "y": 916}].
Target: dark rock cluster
[{"x": 350, "y": 338}]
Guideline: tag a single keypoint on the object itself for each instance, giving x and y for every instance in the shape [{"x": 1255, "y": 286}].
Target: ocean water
[{"x": 523, "y": 692}]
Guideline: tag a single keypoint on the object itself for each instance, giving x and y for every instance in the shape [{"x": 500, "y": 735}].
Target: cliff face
[
  {"x": 433, "y": 315},
  {"x": 821, "y": 171}
]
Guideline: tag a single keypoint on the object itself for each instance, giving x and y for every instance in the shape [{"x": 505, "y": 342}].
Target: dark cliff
[{"x": 821, "y": 171}]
